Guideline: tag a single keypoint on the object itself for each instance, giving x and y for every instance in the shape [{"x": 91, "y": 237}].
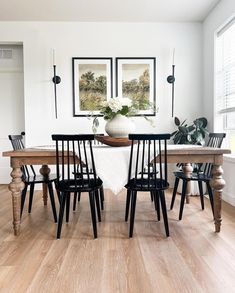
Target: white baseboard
[
  {"x": 5, "y": 177},
  {"x": 228, "y": 198}
]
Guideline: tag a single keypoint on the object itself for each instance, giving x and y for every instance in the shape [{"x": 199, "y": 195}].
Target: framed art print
[
  {"x": 92, "y": 84},
  {"x": 136, "y": 79}
]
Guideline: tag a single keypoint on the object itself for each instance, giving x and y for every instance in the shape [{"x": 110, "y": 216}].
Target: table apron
[
  {"x": 19, "y": 161},
  {"x": 215, "y": 159}
]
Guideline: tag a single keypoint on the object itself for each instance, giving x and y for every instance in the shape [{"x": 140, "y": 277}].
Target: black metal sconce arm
[
  {"x": 171, "y": 79},
  {"x": 56, "y": 80}
]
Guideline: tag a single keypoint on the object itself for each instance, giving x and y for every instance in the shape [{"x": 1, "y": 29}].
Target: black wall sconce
[
  {"x": 56, "y": 80},
  {"x": 171, "y": 79}
]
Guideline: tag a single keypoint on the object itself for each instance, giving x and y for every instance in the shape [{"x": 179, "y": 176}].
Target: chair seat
[
  {"x": 84, "y": 185},
  {"x": 39, "y": 179},
  {"x": 193, "y": 177},
  {"x": 147, "y": 185}
]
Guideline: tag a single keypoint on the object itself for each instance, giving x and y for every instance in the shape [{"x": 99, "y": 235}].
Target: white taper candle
[
  {"x": 53, "y": 56},
  {"x": 173, "y": 61}
]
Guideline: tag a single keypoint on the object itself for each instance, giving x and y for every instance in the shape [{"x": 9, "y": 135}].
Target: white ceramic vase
[{"x": 119, "y": 126}]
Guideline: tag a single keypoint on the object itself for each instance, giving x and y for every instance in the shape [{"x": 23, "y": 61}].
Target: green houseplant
[{"x": 193, "y": 133}]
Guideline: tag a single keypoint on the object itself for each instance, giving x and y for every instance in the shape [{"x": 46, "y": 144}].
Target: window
[{"x": 225, "y": 81}]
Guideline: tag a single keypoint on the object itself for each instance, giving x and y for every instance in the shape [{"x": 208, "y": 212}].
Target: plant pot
[{"x": 120, "y": 126}]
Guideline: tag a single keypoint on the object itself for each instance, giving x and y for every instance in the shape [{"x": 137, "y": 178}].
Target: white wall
[
  {"x": 107, "y": 40},
  {"x": 11, "y": 102},
  {"x": 219, "y": 16}
]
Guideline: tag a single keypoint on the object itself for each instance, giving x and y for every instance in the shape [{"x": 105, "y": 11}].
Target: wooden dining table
[{"x": 186, "y": 155}]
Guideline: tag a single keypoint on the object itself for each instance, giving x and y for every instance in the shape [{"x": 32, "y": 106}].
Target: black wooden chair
[
  {"x": 30, "y": 178},
  {"x": 77, "y": 195},
  {"x": 73, "y": 154},
  {"x": 203, "y": 173},
  {"x": 154, "y": 180}
]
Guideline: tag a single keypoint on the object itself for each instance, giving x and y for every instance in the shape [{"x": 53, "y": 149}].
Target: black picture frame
[
  {"x": 99, "y": 78},
  {"x": 130, "y": 72}
]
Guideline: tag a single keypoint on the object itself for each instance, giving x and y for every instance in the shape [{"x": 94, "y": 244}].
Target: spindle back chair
[
  {"x": 146, "y": 173},
  {"x": 74, "y": 155}
]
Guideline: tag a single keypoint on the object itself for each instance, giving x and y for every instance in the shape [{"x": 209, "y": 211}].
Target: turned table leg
[
  {"x": 188, "y": 169},
  {"x": 217, "y": 183},
  {"x": 45, "y": 171},
  {"x": 16, "y": 186}
]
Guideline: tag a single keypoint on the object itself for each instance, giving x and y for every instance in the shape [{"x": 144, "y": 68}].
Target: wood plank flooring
[{"x": 192, "y": 259}]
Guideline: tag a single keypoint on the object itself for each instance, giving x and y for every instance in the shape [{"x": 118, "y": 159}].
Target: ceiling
[{"x": 106, "y": 10}]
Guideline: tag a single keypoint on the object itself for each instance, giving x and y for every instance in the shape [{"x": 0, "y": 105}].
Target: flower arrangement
[{"x": 123, "y": 106}]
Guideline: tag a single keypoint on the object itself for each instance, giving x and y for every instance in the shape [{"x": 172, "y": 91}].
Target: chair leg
[
  {"x": 93, "y": 216},
  {"x": 51, "y": 194},
  {"x": 23, "y": 195},
  {"x": 132, "y": 215},
  {"x": 31, "y": 197},
  {"x": 75, "y": 200},
  {"x": 58, "y": 193},
  {"x": 97, "y": 201},
  {"x": 201, "y": 194},
  {"x": 156, "y": 203},
  {"x": 101, "y": 191},
  {"x": 151, "y": 195},
  {"x": 174, "y": 192},
  {"x": 79, "y": 196},
  {"x": 183, "y": 196},
  {"x": 128, "y": 198},
  {"x": 210, "y": 193},
  {"x": 67, "y": 207},
  {"x": 164, "y": 212},
  {"x": 61, "y": 214}
]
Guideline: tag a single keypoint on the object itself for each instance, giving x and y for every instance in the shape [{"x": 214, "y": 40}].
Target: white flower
[{"x": 115, "y": 105}]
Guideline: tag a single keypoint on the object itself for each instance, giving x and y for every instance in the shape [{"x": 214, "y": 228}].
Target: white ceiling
[{"x": 106, "y": 10}]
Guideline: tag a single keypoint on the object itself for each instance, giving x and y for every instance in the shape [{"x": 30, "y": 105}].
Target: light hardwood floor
[{"x": 192, "y": 259}]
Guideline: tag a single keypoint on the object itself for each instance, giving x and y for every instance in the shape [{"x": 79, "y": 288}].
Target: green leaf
[
  {"x": 204, "y": 121},
  {"x": 190, "y": 128},
  {"x": 177, "y": 138},
  {"x": 183, "y": 123},
  {"x": 197, "y": 136},
  {"x": 183, "y": 129},
  {"x": 184, "y": 140},
  {"x": 177, "y": 121},
  {"x": 124, "y": 110},
  {"x": 173, "y": 133},
  {"x": 189, "y": 138},
  {"x": 198, "y": 123}
]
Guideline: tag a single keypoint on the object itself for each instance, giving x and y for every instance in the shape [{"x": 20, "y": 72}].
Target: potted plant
[
  {"x": 190, "y": 134},
  {"x": 193, "y": 134}
]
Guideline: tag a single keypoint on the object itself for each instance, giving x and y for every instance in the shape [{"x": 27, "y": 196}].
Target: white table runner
[{"x": 112, "y": 164}]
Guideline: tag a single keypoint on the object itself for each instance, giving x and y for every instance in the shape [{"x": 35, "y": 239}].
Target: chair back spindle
[
  {"x": 143, "y": 156},
  {"x": 75, "y": 165}
]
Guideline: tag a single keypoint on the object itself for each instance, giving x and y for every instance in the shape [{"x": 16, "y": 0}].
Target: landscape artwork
[
  {"x": 92, "y": 84},
  {"x": 135, "y": 79}
]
